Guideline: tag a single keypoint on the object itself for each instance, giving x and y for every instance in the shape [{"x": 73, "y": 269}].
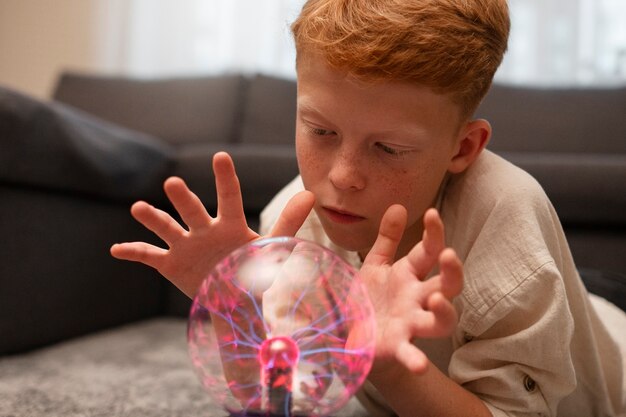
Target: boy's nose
[{"x": 346, "y": 172}]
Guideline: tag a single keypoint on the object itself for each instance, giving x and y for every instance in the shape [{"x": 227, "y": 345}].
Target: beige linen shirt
[{"x": 528, "y": 341}]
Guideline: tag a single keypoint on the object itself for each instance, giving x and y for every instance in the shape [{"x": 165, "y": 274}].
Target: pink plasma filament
[{"x": 278, "y": 357}]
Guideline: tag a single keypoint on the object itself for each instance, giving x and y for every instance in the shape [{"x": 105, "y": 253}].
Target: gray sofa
[{"x": 84, "y": 334}]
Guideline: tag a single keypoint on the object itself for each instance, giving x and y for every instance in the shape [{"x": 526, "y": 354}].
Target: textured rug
[{"x": 138, "y": 370}]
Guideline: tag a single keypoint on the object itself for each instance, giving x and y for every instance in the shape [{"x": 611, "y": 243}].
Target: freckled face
[{"x": 363, "y": 147}]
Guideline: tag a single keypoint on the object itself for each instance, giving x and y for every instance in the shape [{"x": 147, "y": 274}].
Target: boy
[{"x": 388, "y": 154}]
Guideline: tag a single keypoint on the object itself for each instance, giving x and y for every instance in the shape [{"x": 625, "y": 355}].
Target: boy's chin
[{"x": 349, "y": 243}]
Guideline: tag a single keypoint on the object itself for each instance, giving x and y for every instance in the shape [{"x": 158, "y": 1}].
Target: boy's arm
[
  {"x": 193, "y": 251},
  {"x": 431, "y": 393},
  {"x": 407, "y": 306}
]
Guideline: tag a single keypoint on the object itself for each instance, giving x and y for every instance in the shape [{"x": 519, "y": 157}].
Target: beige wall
[{"x": 40, "y": 38}]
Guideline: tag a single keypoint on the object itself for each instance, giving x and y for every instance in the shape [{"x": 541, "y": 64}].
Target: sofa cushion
[
  {"x": 584, "y": 188},
  {"x": 263, "y": 170},
  {"x": 572, "y": 140},
  {"x": 52, "y": 146},
  {"x": 178, "y": 110},
  {"x": 269, "y": 115},
  {"x": 561, "y": 120}
]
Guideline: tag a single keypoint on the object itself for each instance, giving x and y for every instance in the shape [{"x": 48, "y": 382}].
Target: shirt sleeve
[
  {"x": 519, "y": 359},
  {"x": 512, "y": 347}
]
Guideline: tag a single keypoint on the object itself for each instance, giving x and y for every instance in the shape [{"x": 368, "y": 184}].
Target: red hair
[{"x": 451, "y": 46}]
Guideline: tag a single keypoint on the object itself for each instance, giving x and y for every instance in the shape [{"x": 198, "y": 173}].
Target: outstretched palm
[
  {"x": 193, "y": 252},
  {"x": 407, "y": 304}
]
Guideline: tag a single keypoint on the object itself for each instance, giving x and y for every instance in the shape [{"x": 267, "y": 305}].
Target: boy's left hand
[{"x": 406, "y": 304}]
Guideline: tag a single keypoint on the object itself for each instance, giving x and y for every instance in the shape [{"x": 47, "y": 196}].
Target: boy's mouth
[{"x": 341, "y": 216}]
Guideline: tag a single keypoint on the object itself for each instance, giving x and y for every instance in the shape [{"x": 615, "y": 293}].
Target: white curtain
[
  {"x": 172, "y": 37},
  {"x": 553, "y": 42},
  {"x": 566, "y": 42}
]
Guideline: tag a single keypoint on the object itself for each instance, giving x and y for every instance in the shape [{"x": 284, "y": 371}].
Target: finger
[
  {"x": 434, "y": 238},
  {"x": 444, "y": 313},
  {"x": 389, "y": 234},
  {"x": 438, "y": 321},
  {"x": 411, "y": 357},
  {"x": 449, "y": 281},
  {"x": 139, "y": 252},
  {"x": 229, "y": 200},
  {"x": 451, "y": 273},
  {"x": 157, "y": 221},
  {"x": 294, "y": 214},
  {"x": 424, "y": 256},
  {"x": 186, "y": 203}
]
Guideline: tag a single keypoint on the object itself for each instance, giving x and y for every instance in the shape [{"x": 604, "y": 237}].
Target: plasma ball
[{"x": 281, "y": 327}]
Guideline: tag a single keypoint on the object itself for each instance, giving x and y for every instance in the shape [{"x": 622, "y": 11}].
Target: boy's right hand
[{"x": 193, "y": 252}]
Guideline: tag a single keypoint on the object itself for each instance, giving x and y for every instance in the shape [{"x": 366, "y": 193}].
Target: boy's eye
[
  {"x": 392, "y": 151},
  {"x": 320, "y": 132}
]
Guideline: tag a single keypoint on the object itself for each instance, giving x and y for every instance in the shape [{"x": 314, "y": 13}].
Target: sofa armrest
[
  {"x": 66, "y": 180},
  {"x": 52, "y": 146}
]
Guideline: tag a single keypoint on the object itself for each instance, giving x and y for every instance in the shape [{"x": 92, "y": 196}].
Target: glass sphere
[{"x": 282, "y": 326}]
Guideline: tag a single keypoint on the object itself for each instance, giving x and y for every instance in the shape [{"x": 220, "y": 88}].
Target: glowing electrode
[{"x": 278, "y": 357}]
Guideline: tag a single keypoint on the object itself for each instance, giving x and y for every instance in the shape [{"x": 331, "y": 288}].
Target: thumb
[{"x": 294, "y": 214}]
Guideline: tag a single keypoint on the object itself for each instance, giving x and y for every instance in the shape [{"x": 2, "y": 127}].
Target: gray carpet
[{"x": 137, "y": 370}]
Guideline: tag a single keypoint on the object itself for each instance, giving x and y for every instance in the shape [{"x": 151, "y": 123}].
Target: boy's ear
[{"x": 472, "y": 139}]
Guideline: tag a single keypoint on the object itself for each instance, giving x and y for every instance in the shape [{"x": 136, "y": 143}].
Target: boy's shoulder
[
  {"x": 494, "y": 189},
  {"x": 506, "y": 232},
  {"x": 497, "y": 181},
  {"x": 495, "y": 198}
]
